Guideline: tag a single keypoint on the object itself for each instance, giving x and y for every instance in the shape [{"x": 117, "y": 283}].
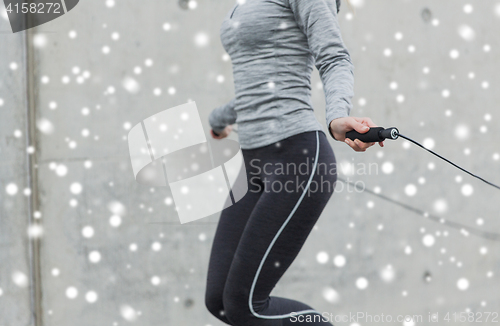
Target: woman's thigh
[{"x": 227, "y": 236}]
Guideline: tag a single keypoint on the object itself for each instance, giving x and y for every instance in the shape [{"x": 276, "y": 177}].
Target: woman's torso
[{"x": 272, "y": 67}]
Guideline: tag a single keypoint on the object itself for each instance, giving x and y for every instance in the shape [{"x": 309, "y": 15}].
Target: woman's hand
[
  {"x": 340, "y": 126},
  {"x": 223, "y": 134}
]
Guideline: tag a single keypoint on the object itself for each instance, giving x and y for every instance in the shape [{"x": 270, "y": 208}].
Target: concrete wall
[
  {"x": 83, "y": 111},
  {"x": 15, "y": 270}
]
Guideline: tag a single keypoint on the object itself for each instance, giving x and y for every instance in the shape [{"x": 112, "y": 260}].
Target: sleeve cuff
[
  {"x": 332, "y": 117},
  {"x": 213, "y": 124}
]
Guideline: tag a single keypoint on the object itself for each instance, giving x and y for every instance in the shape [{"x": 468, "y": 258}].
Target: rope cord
[{"x": 455, "y": 165}]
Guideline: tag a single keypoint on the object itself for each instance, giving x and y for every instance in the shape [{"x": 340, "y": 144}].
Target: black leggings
[{"x": 289, "y": 184}]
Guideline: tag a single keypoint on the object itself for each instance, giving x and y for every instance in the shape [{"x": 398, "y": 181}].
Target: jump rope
[{"x": 378, "y": 134}]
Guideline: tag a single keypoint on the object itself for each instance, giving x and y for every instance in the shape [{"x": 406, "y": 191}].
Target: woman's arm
[
  {"x": 221, "y": 117},
  {"x": 318, "y": 21}
]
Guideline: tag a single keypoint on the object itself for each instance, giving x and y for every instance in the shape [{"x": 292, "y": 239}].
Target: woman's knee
[
  {"x": 236, "y": 308},
  {"x": 213, "y": 302}
]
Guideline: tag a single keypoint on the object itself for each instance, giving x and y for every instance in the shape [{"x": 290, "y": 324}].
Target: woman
[{"x": 273, "y": 45}]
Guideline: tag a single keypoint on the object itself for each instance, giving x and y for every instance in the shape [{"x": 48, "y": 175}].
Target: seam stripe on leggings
[{"x": 274, "y": 240}]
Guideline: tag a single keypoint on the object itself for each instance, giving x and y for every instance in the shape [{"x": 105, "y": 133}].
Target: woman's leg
[
  {"x": 277, "y": 229},
  {"x": 227, "y": 236}
]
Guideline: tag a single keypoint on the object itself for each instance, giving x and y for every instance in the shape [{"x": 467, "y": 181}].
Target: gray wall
[
  {"x": 15, "y": 271},
  {"x": 349, "y": 226}
]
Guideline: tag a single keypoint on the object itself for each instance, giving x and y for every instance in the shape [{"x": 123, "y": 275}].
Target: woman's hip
[{"x": 301, "y": 157}]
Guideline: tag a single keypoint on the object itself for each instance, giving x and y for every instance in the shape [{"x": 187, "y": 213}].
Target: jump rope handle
[{"x": 375, "y": 134}]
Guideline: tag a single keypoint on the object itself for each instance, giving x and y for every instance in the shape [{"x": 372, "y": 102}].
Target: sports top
[{"x": 274, "y": 46}]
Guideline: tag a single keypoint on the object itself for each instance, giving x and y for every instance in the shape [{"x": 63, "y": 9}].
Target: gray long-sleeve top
[{"x": 273, "y": 45}]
